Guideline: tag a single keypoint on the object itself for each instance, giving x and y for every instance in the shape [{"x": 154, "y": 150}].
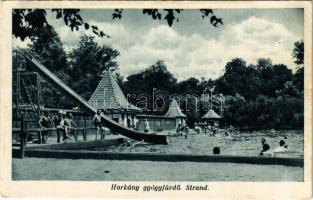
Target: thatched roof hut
[
  {"x": 174, "y": 110},
  {"x": 109, "y": 96},
  {"x": 211, "y": 115}
]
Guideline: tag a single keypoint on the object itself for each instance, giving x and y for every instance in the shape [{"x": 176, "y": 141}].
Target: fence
[{"x": 156, "y": 123}]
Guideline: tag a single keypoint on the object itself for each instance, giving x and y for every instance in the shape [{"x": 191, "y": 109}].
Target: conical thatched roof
[
  {"x": 211, "y": 115},
  {"x": 108, "y": 95},
  {"x": 174, "y": 110}
]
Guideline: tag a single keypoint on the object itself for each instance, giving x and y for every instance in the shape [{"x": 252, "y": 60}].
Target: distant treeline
[{"x": 263, "y": 95}]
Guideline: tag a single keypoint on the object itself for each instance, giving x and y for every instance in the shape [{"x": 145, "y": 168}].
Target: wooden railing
[{"x": 23, "y": 132}]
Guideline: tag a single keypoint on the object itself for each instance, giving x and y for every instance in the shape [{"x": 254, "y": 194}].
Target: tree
[
  {"x": 88, "y": 61},
  {"x": 48, "y": 49},
  {"x": 233, "y": 104},
  {"x": 273, "y": 78},
  {"x": 280, "y": 75},
  {"x": 26, "y": 22},
  {"x": 156, "y": 76},
  {"x": 298, "y": 53},
  {"x": 265, "y": 78},
  {"x": 257, "y": 95},
  {"x": 151, "y": 82},
  {"x": 189, "y": 86},
  {"x": 234, "y": 79},
  {"x": 299, "y": 79}
]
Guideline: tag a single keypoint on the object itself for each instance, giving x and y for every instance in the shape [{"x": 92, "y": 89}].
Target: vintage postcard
[{"x": 156, "y": 99}]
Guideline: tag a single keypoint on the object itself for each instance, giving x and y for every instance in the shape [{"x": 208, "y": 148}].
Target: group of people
[
  {"x": 183, "y": 129},
  {"x": 214, "y": 131},
  {"x": 266, "y": 149},
  {"x": 65, "y": 126},
  {"x": 63, "y": 123}
]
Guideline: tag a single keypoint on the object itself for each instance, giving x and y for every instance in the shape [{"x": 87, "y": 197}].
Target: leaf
[
  {"x": 117, "y": 13},
  {"x": 114, "y": 15},
  {"x": 178, "y": 10},
  {"x": 66, "y": 21},
  {"x": 79, "y": 17},
  {"x": 213, "y": 19},
  {"x": 159, "y": 16},
  {"x": 59, "y": 15},
  {"x": 170, "y": 18},
  {"x": 86, "y": 26},
  {"x": 95, "y": 32},
  {"x": 206, "y": 12}
]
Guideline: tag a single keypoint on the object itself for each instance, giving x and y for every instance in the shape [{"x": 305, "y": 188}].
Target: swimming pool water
[{"x": 243, "y": 143}]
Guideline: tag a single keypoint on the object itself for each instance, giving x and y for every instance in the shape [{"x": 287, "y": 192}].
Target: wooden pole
[
  {"x": 38, "y": 105},
  {"x": 22, "y": 136},
  {"x": 40, "y": 137},
  {"x": 85, "y": 129},
  {"x": 77, "y": 123},
  {"x": 17, "y": 90}
]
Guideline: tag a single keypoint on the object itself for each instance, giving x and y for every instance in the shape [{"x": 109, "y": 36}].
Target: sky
[{"x": 192, "y": 47}]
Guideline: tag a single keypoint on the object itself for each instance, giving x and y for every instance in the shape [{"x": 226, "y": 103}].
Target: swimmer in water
[
  {"x": 228, "y": 136},
  {"x": 216, "y": 150},
  {"x": 265, "y": 147},
  {"x": 263, "y": 141},
  {"x": 265, "y": 150},
  {"x": 282, "y": 143},
  {"x": 214, "y": 132},
  {"x": 282, "y": 147}
]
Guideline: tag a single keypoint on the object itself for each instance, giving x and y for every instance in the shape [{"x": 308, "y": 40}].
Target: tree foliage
[
  {"x": 298, "y": 52},
  {"x": 88, "y": 61},
  {"x": 26, "y": 22},
  {"x": 263, "y": 78},
  {"x": 256, "y": 96},
  {"x": 298, "y": 55},
  {"x": 48, "y": 49},
  {"x": 153, "y": 81}
]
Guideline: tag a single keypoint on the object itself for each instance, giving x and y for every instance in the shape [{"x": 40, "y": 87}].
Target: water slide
[{"x": 114, "y": 126}]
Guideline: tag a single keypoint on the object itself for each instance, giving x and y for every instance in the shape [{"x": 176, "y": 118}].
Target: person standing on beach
[
  {"x": 147, "y": 127},
  {"x": 72, "y": 127},
  {"x": 61, "y": 127},
  {"x": 44, "y": 122},
  {"x": 97, "y": 123}
]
